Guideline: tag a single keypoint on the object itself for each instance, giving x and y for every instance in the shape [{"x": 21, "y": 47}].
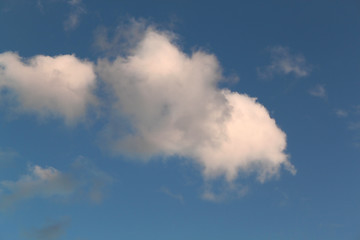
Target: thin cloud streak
[
  {"x": 223, "y": 191},
  {"x": 178, "y": 197}
]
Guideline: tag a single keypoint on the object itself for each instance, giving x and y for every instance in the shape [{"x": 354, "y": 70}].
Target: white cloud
[
  {"x": 318, "y": 91},
  {"x": 283, "y": 62},
  {"x": 49, "y": 182},
  {"x": 49, "y": 86},
  {"x": 172, "y": 105}
]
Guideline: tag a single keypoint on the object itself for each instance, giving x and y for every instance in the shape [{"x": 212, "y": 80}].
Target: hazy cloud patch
[
  {"x": 221, "y": 191},
  {"x": 92, "y": 179},
  {"x": 318, "y": 91},
  {"x": 77, "y": 10},
  {"x": 341, "y": 113},
  {"x": 7, "y": 156},
  {"x": 354, "y": 125},
  {"x": 169, "y": 193},
  {"x": 121, "y": 40},
  {"x": 48, "y": 182},
  {"x": 283, "y": 62},
  {"x": 52, "y": 230}
]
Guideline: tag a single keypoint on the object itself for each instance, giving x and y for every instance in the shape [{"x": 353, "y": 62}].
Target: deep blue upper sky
[{"x": 114, "y": 196}]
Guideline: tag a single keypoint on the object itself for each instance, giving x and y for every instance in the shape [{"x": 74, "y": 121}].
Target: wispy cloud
[
  {"x": 341, "y": 113},
  {"x": 356, "y": 109},
  {"x": 49, "y": 182},
  {"x": 284, "y": 201},
  {"x": 77, "y": 10},
  {"x": 52, "y": 230},
  {"x": 91, "y": 178},
  {"x": 221, "y": 191},
  {"x": 351, "y": 116},
  {"x": 39, "y": 182},
  {"x": 354, "y": 125},
  {"x": 173, "y": 107},
  {"x": 178, "y": 197},
  {"x": 318, "y": 91},
  {"x": 40, "y": 5},
  {"x": 125, "y": 37},
  {"x": 7, "y": 156},
  {"x": 283, "y": 62}
]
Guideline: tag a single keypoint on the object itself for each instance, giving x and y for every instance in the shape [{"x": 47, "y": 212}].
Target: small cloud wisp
[
  {"x": 283, "y": 62},
  {"x": 318, "y": 91}
]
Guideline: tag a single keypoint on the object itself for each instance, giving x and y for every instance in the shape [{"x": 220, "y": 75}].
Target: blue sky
[{"x": 179, "y": 120}]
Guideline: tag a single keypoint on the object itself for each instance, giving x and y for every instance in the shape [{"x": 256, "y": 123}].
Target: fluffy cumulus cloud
[
  {"x": 47, "y": 182},
  {"x": 162, "y": 103},
  {"x": 283, "y": 62},
  {"x": 167, "y": 103},
  {"x": 56, "y": 86}
]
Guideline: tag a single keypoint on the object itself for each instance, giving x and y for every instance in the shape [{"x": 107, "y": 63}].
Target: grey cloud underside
[{"x": 162, "y": 103}]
